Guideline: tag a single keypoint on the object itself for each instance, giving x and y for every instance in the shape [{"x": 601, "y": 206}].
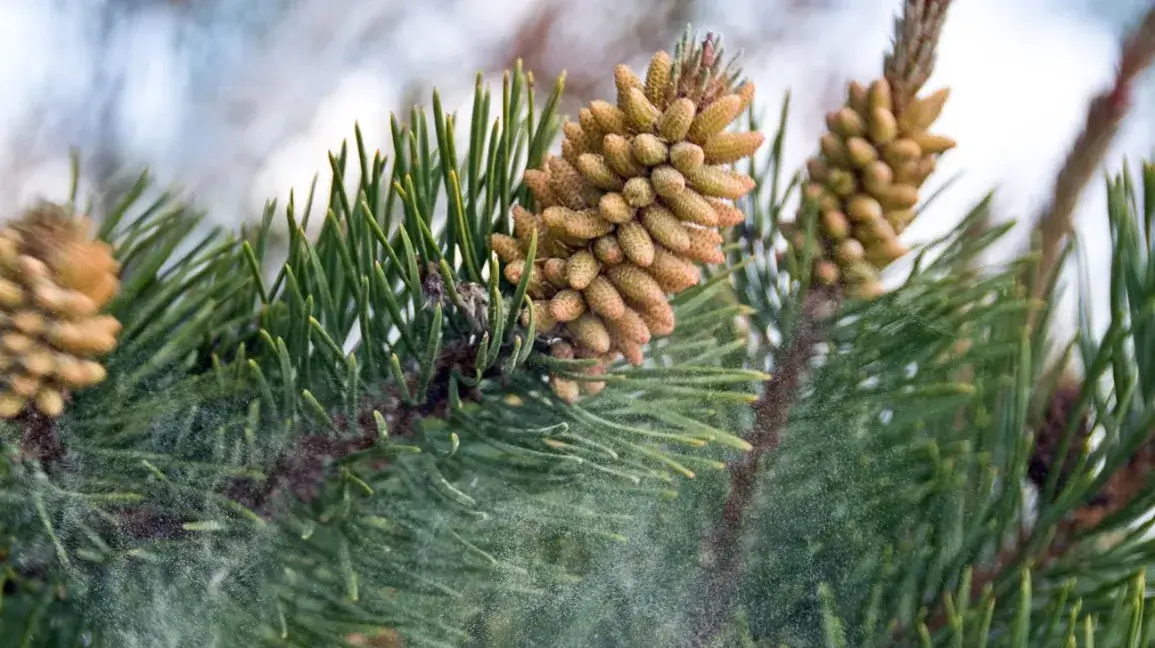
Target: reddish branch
[
  {"x": 1126, "y": 483},
  {"x": 301, "y": 470},
  {"x": 771, "y": 416},
  {"x": 1104, "y": 119},
  {"x": 537, "y": 45}
]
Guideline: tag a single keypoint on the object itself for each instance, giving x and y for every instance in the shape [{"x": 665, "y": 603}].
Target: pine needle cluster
[{"x": 511, "y": 398}]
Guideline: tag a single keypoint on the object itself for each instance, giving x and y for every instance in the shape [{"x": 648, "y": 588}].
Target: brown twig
[
  {"x": 302, "y": 468},
  {"x": 1124, "y": 484},
  {"x": 907, "y": 68},
  {"x": 1104, "y": 118},
  {"x": 40, "y": 440},
  {"x": 536, "y": 44},
  {"x": 771, "y": 416}
]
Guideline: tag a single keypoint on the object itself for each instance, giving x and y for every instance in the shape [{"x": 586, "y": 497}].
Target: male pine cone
[
  {"x": 632, "y": 207},
  {"x": 874, "y": 158},
  {"x": 54, "y": 281}
]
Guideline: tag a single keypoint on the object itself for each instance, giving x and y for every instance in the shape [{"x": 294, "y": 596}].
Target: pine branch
[
  {"x": 1122, "y": 487},
  {"x": 301, "y": 469},
  {"x": 537, "y": 44},
  {"x": 40, "y": 440},
  {"x": 437, "y": 462},
  {"x": 771, "y": 416},
  {"x": 1090, "y": 500},
  {"x": 906, "y": 69},
  {"x": 1104, "y": 118},
  {"x": 1052, "y": 452}
]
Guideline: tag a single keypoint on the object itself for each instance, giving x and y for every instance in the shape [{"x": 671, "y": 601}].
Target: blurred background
[{"x": 238, "y": 101}]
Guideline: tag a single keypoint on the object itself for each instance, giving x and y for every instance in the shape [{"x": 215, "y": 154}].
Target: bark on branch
[{"x": 719, "y": 580}]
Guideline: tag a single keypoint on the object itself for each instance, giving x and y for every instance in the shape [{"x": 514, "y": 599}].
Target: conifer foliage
[{"x": 623, "y": 392}]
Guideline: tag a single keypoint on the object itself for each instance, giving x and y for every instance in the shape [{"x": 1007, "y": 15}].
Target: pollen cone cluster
[
  {"x": 54, "y": 281},
  {"x": 874, "y": 158},
  {"x": 632, "y": 207}
]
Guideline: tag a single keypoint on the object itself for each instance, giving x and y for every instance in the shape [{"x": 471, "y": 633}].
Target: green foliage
[
  {"x": 362, "y": 438},
  {"x": 897, "y": 510},
  {"x": 898, "y": 487},
  {"x": 359, "y": 435}
]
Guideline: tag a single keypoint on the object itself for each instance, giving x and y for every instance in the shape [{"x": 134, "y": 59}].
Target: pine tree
[{"x": 649, "y": 389}]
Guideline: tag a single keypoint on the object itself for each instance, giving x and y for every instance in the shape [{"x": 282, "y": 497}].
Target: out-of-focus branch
[
  {"x": 1105, "y": 115},
  {"x": 906, "y": 69},
  {"x": 1104, "y": 118},
  {"x": 1126, "y": 483},
  {"x": 718, "y": 582},
  {"x": 538, "y": 46}
]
